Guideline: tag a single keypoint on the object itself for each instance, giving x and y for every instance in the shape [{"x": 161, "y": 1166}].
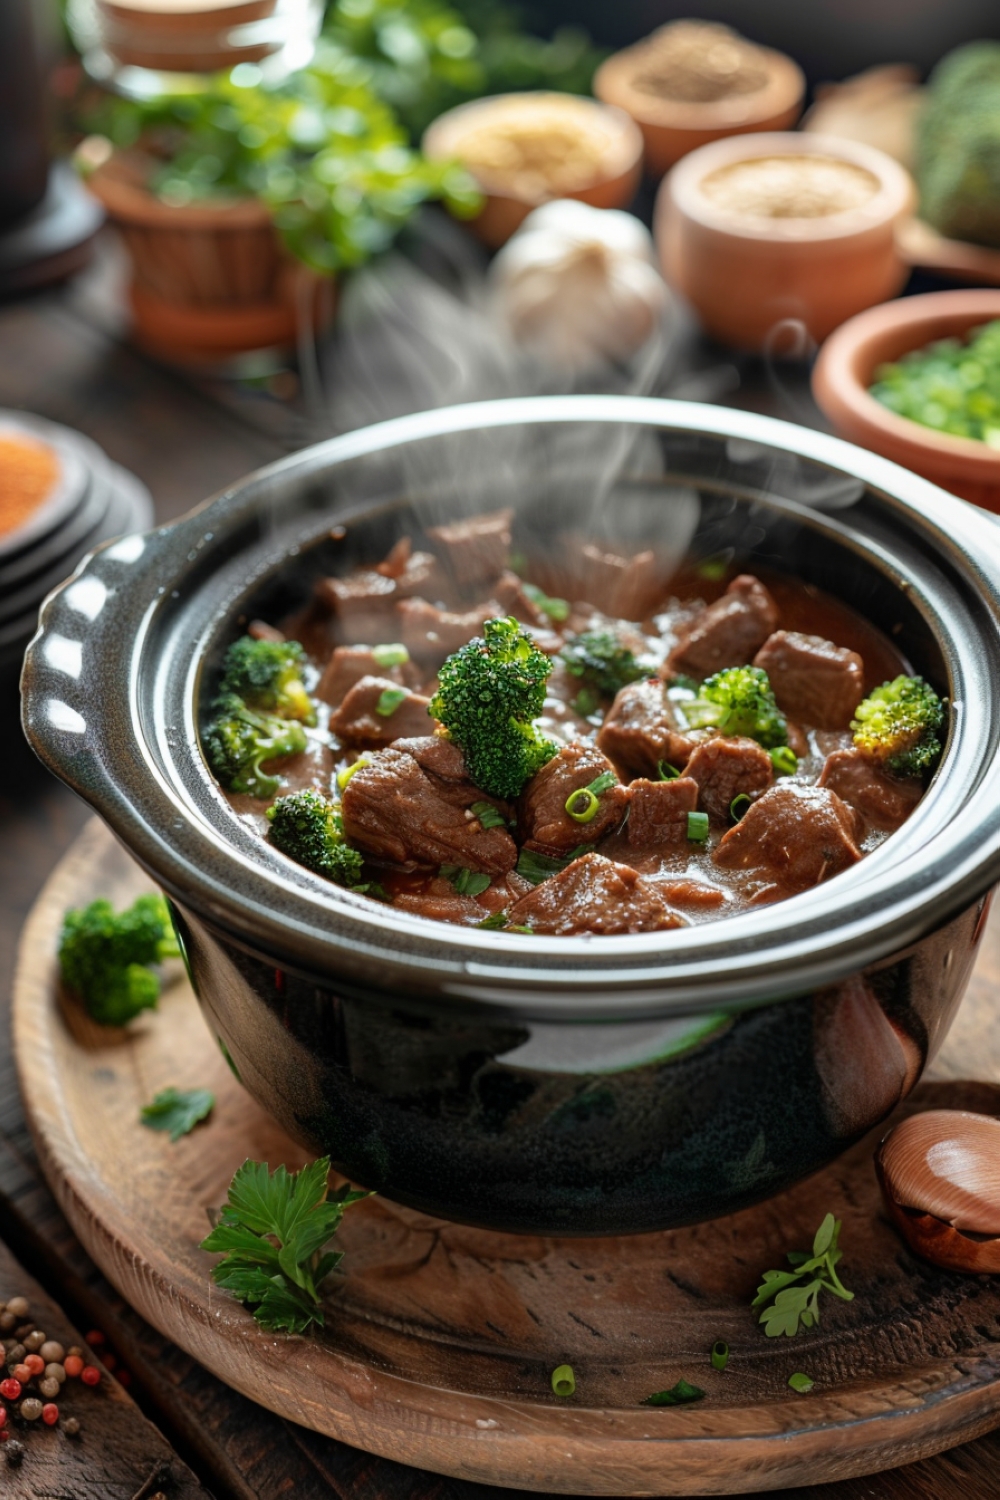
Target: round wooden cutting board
[{"x": 440, "y": 1340}]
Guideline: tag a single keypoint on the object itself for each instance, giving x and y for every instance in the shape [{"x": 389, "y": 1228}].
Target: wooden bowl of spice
[
  {"x": 763, "y": 233},
  {"x": 692, "y": 82},
  {"x": 527, "y": 149}
]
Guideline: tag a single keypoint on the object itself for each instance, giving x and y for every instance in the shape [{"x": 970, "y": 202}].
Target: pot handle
[{"x": 75, "y": 682}]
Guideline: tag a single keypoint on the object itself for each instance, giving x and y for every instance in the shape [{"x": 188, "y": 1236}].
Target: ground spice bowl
[{"x": 558, "y": 1085}]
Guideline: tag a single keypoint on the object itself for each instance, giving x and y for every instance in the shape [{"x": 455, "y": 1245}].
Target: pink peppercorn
[
  {"x": 10, "y": 1389},
  {"x": 50, "y": 1414},
  {"x": 73, "y": 1365},
  {"x": 3, "y": 1416},
  {"x": 34, "y": 1363},
  {"x": 90, "y": 1375}
]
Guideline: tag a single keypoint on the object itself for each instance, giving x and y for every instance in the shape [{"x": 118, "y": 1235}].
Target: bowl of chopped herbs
[{"x": 918, "y": 380}]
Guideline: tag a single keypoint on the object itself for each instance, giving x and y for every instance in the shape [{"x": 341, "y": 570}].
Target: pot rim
[
  {"x": 116, "y": 754},
  {"x": 784, "y": 89}
]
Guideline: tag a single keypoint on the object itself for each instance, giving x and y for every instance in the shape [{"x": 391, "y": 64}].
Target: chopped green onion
[
  {"x": 538, "y": 867},
  {"x": 515, "y": 928},
  {"x": 739, "y": 806},
  {"x": 556, "y": 609},
  {"x": 676, "y": 1396},
  {"x": 487, "y": 815},
  {"x": 586, "y": 702},
  {"x": 389, "y": 701},
  {"x": 800, "y": 1383},
  {"x": 344, "y": 776},
  {"x": 466, "y": 882},
  {"x": 697, "y": 827},
  {"x": 720, "y": 1355},
  {"x": 784, "y": 760},
  {"x": 603, "y": 783},
  {"x": 582, "y": 805},
  {"x": 665, "y": 771},
  {"x": 563, "y": 1380},
  {"x": 394, "y": 655},
  {"x": 495, "y": 921}
]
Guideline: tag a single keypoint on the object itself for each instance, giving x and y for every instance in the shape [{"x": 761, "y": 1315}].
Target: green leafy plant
[
  {"x": 789, "y": 1300},
  {"x": 178, "y": 1111},
  {"x": 677, "y": 1395},
  {"x": 320, "y": 149},
  {"x": 108, "y": 957},
  {"x": 273, "y": 1232}
]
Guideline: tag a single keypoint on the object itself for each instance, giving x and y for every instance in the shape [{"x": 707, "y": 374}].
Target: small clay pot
[
  {"x": 747, "y": 275},
  {"x": 209, "y": 279},
  {"x": 190, "y": 37},
  {"x": 673, "y": 127},
  {"x": 614, "y": 182},
  {"x": 846, "y": 368}
]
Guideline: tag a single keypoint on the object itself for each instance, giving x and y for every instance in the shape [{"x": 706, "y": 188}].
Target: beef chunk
[
  {"x": 509, "y": 594},
  {"x": 412, "y": 572},
  {"x": 641, "y": 729},
  {"x": 431, "y": 634},
  {"x": 358, "y": 722},
  {"x": 658, "y": 812},
  {"x": 728, "y": 632},
  {"x": 594, "y": 894},
  {"x": 882, "y": 801},
  {"x": 542, "y": 816},
  {"x": 394, "y": 809},
  {"x": 725, "y": 767},
  {"x": 623, "y": 586},
  {"x": 348, "y": 664},
  {"x": 260, "y": 630},
  {"x": 444, "y": 762},
  {"x": 362, "y": 603},
  {"x": 476, "y": 550},
  {"x": 793, "y": 838},
  {"x": 441, "y": 903},
  {"x": 813, "y": 680}
]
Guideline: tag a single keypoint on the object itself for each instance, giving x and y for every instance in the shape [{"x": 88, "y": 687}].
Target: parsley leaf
[
  {"x": 178, "y": 1110},
  {"x": 789, "y": 1300},
  {"x": 538, "y": 867},
  {"x": 273, "y": 1229},
  {"x": 466, "y": 882},
  {"x": 676, "y": 1396}
]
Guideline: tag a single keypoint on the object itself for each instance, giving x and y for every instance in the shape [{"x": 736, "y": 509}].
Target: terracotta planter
[
  {"x": 209, "y": 279},
  {"x": 185, "y": 36},
  {"x": 673, "y": 127},
  {"x": 846, "y": 367},
  {"x": 615, "y": 178},
  {"x": 746, "y": 275}
]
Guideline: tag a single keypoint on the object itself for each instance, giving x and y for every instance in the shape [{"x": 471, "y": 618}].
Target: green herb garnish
[
  {"x": 488, "y": 815},
  {"x": 582, "y": 804},
  {"x": 177, "y": 1110},
  {"x": 586, "y": 702},
  {"x": 538, "y": 867},
  {"x": 466, "y": 882},
  {"x": 495, "y": 922},
  {"x": 666, "y": 772},
  {"x": 389, "y": 700},
  {"x": 712, "y": 569},
  {"x": 784, "y": 761},
  {"x": 720, "y": 1354},
  {"x": 556, "y": 609},
  {"x": 563, "y": 1380},
  {"x": 273, "y": 1231},
  {"x": 739, "y": 806},
  {"x": 790, "y": 1299},
  {"x": 697, "y": 827},
  {"x": 676, "y": 1396},
  {"x": 800, "y": 1383},
  {"x": 391, "y": 655}
]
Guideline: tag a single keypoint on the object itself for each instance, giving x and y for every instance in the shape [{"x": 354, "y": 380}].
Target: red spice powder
[{"x": 28, "y": 471}]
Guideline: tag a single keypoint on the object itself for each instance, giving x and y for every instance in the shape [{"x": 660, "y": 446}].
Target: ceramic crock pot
[{"x": 576, "y": 1085}]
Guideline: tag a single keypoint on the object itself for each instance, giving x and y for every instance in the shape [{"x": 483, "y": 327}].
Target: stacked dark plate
[{"x": 92, "y": 500}]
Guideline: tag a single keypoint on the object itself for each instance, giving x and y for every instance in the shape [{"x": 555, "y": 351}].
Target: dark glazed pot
[{"x": 584, "y": 1085}]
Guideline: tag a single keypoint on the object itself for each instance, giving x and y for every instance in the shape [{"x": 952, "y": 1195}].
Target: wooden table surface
[{"x": 63, "y": 355}]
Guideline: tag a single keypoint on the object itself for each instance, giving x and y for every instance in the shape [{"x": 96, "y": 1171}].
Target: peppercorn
[
  {"x": 34, "y": 1341},
  {"x": 90, "y": 1375},
  {"x": 8, "y": 1321},
  {"x": 49, "y": 1388},
  {"x": 50, "y": 1414},
  {"x": 73, "y": 1365},
  {"x": 52, "y": 1352},
  {"x": 95, "y": 1338},
  {"x": 30, "y": 1408},
  {"x": 21, "y": 1372},
  {"x": 23, "y": 1330},
  {"x": 10, "y": 1388},
  {"x": 74, "y": 1349},
  {"x": 3, "y": 1416},
  {"x": 14, "y": 1453},
  {"x": 35, "y": 1363},
  {"x": 55, "y": 1371},
  {"x": 71, "y": 1427},
  {"x": 16, "y": 1352},
  {"x": 19, "y": 1306}
]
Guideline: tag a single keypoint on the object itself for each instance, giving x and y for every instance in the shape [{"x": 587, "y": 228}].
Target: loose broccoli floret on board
[
  {"x": 897, "y": 725},
  {"x": 105, "y": 956},
  {"x": 239, "y": 741},
  {"x": 489, "y": 692},
  {"x": 600, "y": 661},
  {"x": 738, "y": 700},
  {"x": 307, "y": 827},
  {"x": 267, "y": 675},
  {"x": 958, "y": 145}
]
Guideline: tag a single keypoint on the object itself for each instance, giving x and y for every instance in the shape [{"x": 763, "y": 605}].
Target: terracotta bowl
[
  {"x": 614, "y": 182},
  {"x": 846, "y": 367},
  {"x": 673, "y": 127},
  {"x": 183, "y": 35},
  {"x": 745, "y": 276}
]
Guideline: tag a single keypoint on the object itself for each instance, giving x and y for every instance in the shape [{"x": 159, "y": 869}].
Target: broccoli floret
[
  {"x": 958, "y": 145},
  {"x": 738, "y": 700},
  {"x": 308, "y": 828},
  {"x": 267, "y": 675},
  {"x": 600, "y": 661},
  {"x": 105, "y": 956},
  {"x": 489, "y": 692},
  {"x": 238, "y": 741},
  {"x": 897, "y": 725}
]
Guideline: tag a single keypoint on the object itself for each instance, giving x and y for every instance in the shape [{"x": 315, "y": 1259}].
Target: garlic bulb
[
  {"x": 940, "y": 1177},
  {"x": 578, "y": 285}
]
